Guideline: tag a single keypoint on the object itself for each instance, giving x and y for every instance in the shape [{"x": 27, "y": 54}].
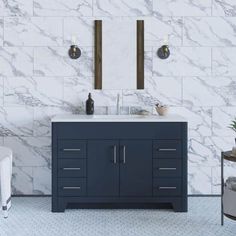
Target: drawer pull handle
[
  {"x": 167, "y": 149},
  {"x": 71, "y": 149},
  {"x": 114, "y": 154},
  {"x": 161, "y": 188},
  {"x": 167, "y": 168},
  {"x": 71, "y": 168},
  {"x": 77, "y": 187},
  {"x": 124, "y": 154}
]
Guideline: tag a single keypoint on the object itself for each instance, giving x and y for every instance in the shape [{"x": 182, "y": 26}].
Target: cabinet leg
[
  {"x": 60, "y": 207},
  {"x": 179, "y": 206}
]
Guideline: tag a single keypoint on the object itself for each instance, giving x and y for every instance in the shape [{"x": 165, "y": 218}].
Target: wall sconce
[
  {"x": 74, "y": 52},
  {"x": 164, "y": 52}
]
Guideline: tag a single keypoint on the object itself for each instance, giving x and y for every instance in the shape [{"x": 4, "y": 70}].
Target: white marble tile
[
  {"x": 18, "y": 8},
  {"x": 1, "y": 90},
  {"x": 122, "y": 7},
  {"x": 33, "y": 31},
  {"x": 76, "y": 91},
  {"x": 224, "y": 61},
  {"x": 1, "y": 8},
  {"x": 30, "y": 151},
  {"x": 199, "y": 119},
  {"x": 221, "y": 119},
  {"x": 182, "y": 7},
  {"x": 33, "y": 91},
  {"x": 166, "y": 90},
  {"x": 183, "y": 61},
  {"x": 16, "y": 61},
  {"x": 41, "y": 180},
  {"x": 63, "y": 8},
  {"x": 82, "y": 28},
  {"x": 16, "y": 121},
  {"x": 54, "y": 61},
  {"x": 199, "y": 180},
  {"x": 206, "y": 151},
  {"x": 157, "y": 90},
  {"x": 209, "y": 31},
  {"x": 1, "y": 31},
  {"x": 209, "y": 91},
  {"x": 216, "y": 176},
  {"x": 42, "y": 119},
  {"x": 163, "y": 30},
  {"x": 224, "y": 8},
  {"x": 22, "y": 180},
  {"x": 201, "y": 152},
  {"x": 148, "y": 62}
]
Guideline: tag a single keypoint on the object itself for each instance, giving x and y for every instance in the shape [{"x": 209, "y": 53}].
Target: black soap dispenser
[{"x": 89, "y": 105}]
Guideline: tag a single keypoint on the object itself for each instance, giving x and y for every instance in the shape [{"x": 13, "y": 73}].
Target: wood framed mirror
[{"x": 119, "y": 54}]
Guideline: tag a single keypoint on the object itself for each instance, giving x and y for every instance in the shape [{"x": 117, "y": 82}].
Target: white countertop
[{"x": 118, "y": 118}]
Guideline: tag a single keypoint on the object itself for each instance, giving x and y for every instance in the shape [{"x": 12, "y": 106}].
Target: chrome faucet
[{"x": 118, "y": 104}]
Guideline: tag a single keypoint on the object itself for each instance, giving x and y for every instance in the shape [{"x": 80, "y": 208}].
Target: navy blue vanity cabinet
[
  {"x": 103, "y": 168},
  {"x": 119, "y": 164}
]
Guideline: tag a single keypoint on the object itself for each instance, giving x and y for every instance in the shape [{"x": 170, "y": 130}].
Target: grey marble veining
[
  {"x": 54, "y": 61},
  {"x": 183, "y": 7},
  {"x": 17, "y": 7},
  {"x": 16, "y": 61},
  {"x": 63, "y": 8},
  {"x": 210, "y": 31},
  {"x": 33, "y": 31},
  {"x": 33, "y": 91},
  {"x": 122, "y": 8},
  {"x": 184, "y": 61},
  {"x": 209, "y": 91},
  {"x": 224, "y": 8}
]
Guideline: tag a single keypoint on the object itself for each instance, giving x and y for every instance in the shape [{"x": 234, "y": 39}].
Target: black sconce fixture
[
  {"x": 163, "y": 52},
  {"x": 74, "y": 52}
]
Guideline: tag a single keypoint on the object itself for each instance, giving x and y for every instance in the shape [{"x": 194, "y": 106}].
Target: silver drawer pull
[
  {"x": 167, "y": 188},
  {"x": 167, "y": 149},
  {"x": 167, "y": 168},
  {"x": 71, "y": 168},
  {"x": 76, "y": 187},
  {"x": 71, "y": 149}
]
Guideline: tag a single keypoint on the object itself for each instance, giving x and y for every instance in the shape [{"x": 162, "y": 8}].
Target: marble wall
[{"x": 39, "y": 80}]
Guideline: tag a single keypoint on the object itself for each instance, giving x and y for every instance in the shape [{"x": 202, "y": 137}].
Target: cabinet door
[
  {"x": 103, "y": 168},
  {"x": 136, "y": 168}
]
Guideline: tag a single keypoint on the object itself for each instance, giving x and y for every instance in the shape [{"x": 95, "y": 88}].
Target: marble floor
[{"x": 31, "y": 216}]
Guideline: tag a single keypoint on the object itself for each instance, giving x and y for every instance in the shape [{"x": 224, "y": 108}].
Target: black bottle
[{"x": 89, "y": 105}]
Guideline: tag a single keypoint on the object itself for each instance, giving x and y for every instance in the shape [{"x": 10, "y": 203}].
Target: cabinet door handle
[
  {"x": 161, "y": 188},
  {"x": 71, "y": 168},
  {"x": 124, "y": 154},
  {"x": 167, "y": 149},
  {"x": 114, "y": 154},
  {"x": 167, "y": 168},
  {"x": 71, "y": 149},
  {"x": 75, "y": 187}
]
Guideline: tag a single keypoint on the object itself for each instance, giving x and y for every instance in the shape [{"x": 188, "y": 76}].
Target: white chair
[{"x": 5, "y": 177}]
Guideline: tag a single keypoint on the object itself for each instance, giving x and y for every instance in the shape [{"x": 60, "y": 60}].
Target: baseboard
[
  {"x": 49, "y": 195},
  {"x": 31, "y": 195}
]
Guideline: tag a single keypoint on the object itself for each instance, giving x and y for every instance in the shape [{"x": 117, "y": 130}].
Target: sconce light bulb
[{"x": 73, "y": 40}]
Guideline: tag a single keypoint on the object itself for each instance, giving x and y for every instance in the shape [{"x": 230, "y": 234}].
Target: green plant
[{"x": 233, "y": 125}]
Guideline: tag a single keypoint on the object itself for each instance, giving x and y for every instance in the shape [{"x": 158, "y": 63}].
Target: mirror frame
[{"x": 98, "y": 54}]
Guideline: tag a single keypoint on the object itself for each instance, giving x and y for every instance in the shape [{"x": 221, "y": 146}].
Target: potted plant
[{"x": 233, "y": 127}]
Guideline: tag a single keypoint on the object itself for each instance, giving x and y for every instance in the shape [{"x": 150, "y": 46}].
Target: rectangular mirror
[{"x": 119, "y": 54}]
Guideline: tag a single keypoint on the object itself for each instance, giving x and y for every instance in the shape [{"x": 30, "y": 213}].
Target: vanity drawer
[
  {"x": 72, "y": 187},
  {"x": 167, "y": 149},
  {"x": 167, "y": 187},
  {"x": 72, "y": 167},
  {"x": 71, "y": 149},
  {"x": 167, "y": 168}
]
